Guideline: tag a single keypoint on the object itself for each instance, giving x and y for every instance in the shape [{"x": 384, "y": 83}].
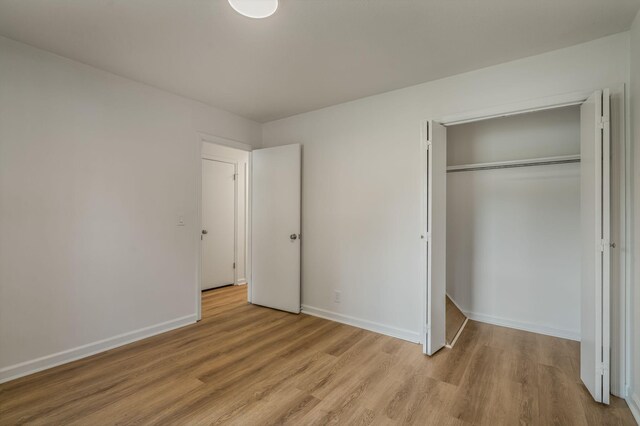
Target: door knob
[
  {"x": 293, "y": 236},
  {"x": 204, "y": 231}
]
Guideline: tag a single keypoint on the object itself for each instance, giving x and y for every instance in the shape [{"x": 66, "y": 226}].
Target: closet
[
  {"x": 517, "y": 223},
  {"x": 513, "y": 220}
]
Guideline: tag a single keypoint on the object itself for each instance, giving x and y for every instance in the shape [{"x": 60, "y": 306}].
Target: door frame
[
  {"x": 620, "y": 309},
  {"x": 201, "y": 139}
]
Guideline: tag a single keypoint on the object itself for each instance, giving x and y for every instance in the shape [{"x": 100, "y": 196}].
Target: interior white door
[
  {"x": 275, "y": 227},
  {"x": 595, "y": 229},
  {"x": 218, "y": 223},
  {"x": 435, "y": 234}
]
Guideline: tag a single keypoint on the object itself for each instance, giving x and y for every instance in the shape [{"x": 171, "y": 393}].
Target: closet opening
[
  {"x": 513, "y": 222},
  {"x": 523, "y": 227}
]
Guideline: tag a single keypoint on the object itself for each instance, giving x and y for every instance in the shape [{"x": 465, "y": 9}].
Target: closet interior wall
[{"x": 513, "y": 234}]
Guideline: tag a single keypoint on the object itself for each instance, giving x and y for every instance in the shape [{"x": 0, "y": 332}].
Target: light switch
[{"x": 180, "y": 220}]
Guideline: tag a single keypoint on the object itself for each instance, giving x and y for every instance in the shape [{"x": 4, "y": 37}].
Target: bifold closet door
[
  {"x": 275, "y": 227},
  {"x": 434, "y": 234},
  {"x": 595, "y": 344}
]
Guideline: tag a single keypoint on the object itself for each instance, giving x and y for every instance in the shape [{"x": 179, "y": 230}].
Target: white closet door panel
[
  {"x": 435, "y": 236},
  {"x": 606, "y": 246},
  {"x": 218, "y": 221},
  {"x": 595, "y": 230},
  {"x": 275, "y": 227}
]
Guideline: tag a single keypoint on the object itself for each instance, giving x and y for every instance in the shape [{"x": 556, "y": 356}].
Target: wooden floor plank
[{"x": 245, "y": 365}]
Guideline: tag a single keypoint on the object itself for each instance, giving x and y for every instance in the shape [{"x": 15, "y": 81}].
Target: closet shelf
[{"x": 562, "y": 159}]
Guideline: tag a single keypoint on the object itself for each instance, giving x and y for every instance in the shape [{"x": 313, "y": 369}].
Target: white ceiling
[{"x": 311, "y": 53}]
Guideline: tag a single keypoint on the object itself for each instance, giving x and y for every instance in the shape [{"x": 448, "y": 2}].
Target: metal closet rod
[{"x": 563, "y": 159}]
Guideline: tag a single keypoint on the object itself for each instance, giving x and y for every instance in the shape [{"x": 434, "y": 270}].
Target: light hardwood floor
[{"x": 248, "y": 365}]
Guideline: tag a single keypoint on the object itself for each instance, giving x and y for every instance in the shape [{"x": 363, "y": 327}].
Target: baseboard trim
[
  {"x": 22, "y": 369},
  {"x": 362, "y": 323},
  {"x": 633, "y": 401},
  {"x": 241, "y": 281},
  {"x": 525, "y": 326}
]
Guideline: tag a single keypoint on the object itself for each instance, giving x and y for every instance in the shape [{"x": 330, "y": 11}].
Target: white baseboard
[
  {"x": 633, "y": 401},
  {"x": 33, "y": 366},
  {"x": 518, "y": 325},
  {"x": 400, "y": 333},
  {"x": 241, "y": 281},
  {"x": 525, "y": 326}
]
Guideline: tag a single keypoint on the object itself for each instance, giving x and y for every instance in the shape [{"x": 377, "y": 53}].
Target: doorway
[
  {"x": 250, "y": 223},
  {"x": 223, "y": 205}
]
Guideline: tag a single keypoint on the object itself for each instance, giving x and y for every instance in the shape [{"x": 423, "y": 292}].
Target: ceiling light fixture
[{"x": 254, "y": 8}]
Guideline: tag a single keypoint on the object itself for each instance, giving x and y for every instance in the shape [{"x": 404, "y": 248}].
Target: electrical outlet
[{"x": 336, "y": 296}]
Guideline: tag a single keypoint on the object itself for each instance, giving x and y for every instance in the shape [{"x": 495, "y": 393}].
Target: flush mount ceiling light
[{"x": 254, "y": 8}]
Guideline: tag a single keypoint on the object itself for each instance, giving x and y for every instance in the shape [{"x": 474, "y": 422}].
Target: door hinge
[
  {"x": 601, "y": 369},
  {"x": 604, "y": 244},
  {"x": 234, "y": 265},
  {"x": 602, "y": 121},
  {"x": 235, "y": 175}
]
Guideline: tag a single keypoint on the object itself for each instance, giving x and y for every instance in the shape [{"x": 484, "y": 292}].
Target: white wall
[
  {"x": 242, "y": 158},
  {"x": 361, "y": 176},
  {"x": 634, "y": 390},
  {"x": 546, "y": 133},
  {"x": 513, "y": 235},
  {"x": 94, "y": 172}
]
